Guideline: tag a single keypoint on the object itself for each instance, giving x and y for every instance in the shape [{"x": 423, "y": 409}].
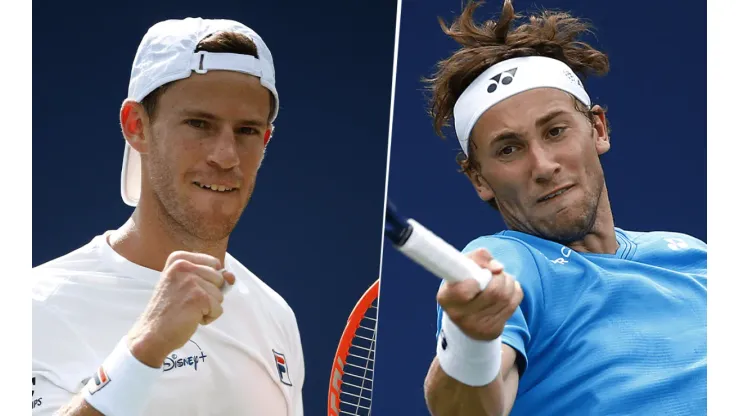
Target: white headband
[{"x": 508, "y": 78}]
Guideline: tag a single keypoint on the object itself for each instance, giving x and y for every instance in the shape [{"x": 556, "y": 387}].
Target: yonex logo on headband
[
  {"x": 497, "y": 84},
  {"x": 572, "y": 77},
  {"x": 504, "y": 78}
]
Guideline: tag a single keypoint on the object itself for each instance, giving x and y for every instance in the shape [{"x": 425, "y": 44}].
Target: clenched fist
[
  {"x": 188, "y": 294},
  {"x": 481, "y": 315}
]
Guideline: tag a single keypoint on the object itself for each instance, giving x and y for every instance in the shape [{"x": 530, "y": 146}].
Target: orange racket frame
[{"x": 340, "y": 358}]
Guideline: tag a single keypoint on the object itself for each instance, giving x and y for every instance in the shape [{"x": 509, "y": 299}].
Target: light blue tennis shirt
[{"x": 602, "y": 334}]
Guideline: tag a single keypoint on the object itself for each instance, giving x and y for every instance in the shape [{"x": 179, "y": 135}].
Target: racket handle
[{"x": 440, "y": 258}]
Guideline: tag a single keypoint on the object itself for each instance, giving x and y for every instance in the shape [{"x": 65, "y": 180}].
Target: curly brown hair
[{"x": 549, "y": 33}]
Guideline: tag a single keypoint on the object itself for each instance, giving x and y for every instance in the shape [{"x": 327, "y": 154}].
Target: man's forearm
[
  {"x": 446, "y": 396},
  {"x": 77, "y": 407},
  {"x": 134, "y": 365}
]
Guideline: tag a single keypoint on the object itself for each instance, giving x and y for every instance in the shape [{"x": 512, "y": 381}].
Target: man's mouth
[
  {"x": 554, "y": 194},
  {"x": 215, "y": 187}
]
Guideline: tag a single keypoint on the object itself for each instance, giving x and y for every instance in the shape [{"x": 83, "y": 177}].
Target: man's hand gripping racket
[
  {"x": 479, "y": 296},
  {"x": 431, "y": 252}
]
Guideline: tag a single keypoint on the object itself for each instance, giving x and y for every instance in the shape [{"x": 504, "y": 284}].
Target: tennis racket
[
  {"x": 351, "y": 382},
  {"x": 431, "y": 252}
]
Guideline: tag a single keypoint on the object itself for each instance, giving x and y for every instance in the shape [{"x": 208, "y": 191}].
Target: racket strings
[{"x": 357, "y": 382}]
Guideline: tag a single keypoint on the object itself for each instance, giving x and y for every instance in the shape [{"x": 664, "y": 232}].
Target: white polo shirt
[{"x": 87, "y": 300}]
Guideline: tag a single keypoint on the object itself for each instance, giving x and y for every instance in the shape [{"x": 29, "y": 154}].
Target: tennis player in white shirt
[{"x": 156, "y": 318}]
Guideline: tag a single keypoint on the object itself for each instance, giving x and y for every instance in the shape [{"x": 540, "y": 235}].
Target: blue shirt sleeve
[{"x": 518, "y": 262}]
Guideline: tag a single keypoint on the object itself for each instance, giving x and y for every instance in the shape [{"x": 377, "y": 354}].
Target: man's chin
[
  {"x": 211, "y": 224},
  {"x": 568, "y": 231},
  {"x": 212, "y": 230}
]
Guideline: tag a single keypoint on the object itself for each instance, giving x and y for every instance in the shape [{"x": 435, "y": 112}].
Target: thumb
[{"x": 229, "y": 277}]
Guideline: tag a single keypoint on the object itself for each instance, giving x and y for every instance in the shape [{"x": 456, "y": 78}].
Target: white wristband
[
  {"x": 469, "y": 361},
  {"x": 122, "y": 385}
]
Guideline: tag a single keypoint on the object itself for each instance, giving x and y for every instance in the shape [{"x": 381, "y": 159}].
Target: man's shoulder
[
  {"x": 83, "y": 281},
  {"x": 500, "y": 240},
  {"x": 76, "y": 259},
  {"x": 664, "y": 240},
  {"x": 524, "y": 247},
  {"x": 47, "y": 277},
  {"x": 526, "y": 257}
]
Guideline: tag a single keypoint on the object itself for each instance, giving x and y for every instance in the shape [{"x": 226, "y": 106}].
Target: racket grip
[{"x": 440, "y": 258}]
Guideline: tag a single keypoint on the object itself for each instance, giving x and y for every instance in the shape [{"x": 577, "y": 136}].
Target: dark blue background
[
  {"x": 319, "y": 195},
  {"x": 655, "y": 171}
]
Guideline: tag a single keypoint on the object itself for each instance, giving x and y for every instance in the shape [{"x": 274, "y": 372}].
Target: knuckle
[
  {"x": 191, "y": 282},
  {"x": 443, "y": 296},
  {"x": 455, "y": 315},
  {"x": 176, "y": 255},
  {"x": 197, "y": 296},
  {"x": 482, "y": 254},
  {"x": 480, "y": 251},
  {"x": 207, "y": 259},
  {"x": 480, "y": 257},
  {"x": 181, "y": 265},
  {"x": 492, "y": 293}
]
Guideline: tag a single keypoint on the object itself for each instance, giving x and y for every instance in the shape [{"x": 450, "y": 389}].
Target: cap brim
[{"x": 131, "y": 176}]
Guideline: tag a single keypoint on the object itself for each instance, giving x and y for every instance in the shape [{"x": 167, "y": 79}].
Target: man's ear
[
  {"x": 480, "y": 184},
  {"x": 603, "y": 143},
  {"x": 133, "y": 119}
]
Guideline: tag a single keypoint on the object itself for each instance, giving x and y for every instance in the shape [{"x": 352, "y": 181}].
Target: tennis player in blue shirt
[{"x": 581, "y": 317}]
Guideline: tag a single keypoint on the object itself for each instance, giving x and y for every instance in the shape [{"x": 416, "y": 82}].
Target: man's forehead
[
  {"x": 522, "y": 111},
  {"x": 529, "y": 107},
  {"x": 231, "y": 93}
]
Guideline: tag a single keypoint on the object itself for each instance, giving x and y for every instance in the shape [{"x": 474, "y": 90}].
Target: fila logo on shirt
[
  {"x": 504, "y": 78},
  {"x": 676, "y": 243},
  {"x": 282, "y": 368}
]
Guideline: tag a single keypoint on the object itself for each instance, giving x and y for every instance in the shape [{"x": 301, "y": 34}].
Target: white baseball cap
[{"x": 167, "y": 53}]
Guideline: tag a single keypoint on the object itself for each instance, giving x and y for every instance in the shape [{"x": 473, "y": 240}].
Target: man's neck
[
  {"x": 148, "y": 238},
  {"x": 603, "y": 238}
]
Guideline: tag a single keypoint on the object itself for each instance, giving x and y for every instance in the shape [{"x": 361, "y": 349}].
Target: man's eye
[
  {"x": 198, "y": 124},
  {"x": 556, "y": 131},
  {"x": 507, "y": 150},
  {"x": 249, "y": 130}
]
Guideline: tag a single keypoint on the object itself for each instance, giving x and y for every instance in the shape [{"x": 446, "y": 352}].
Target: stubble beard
[{"x": 179, "y": 214}]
